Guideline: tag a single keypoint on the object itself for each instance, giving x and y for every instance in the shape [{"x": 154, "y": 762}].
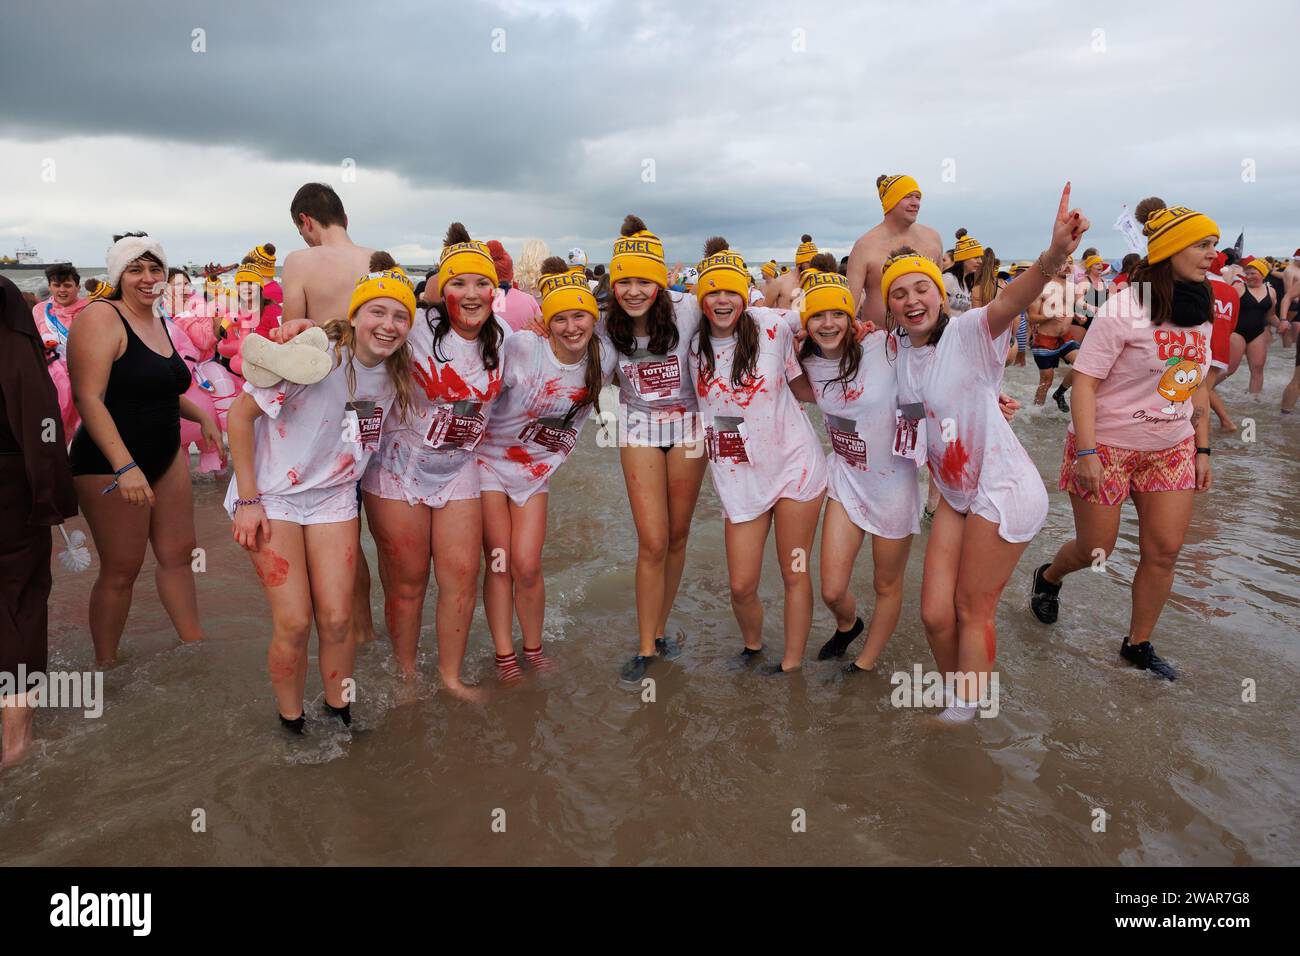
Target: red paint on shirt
[
  {"x": 520, "y": 456},
  {"x": 293, "y": 477},
  {"x": 771, "y": 332},
  {"x": 953, "y": 465}
]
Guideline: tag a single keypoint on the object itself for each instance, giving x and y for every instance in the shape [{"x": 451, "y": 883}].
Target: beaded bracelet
[{"x": 256, "y": 500}]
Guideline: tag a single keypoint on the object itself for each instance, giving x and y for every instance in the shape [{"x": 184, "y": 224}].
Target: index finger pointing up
[{"x": 1065, "y": 202}]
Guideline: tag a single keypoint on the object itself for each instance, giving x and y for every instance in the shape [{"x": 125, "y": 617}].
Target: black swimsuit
[
  {"x": 144, "y": 398},
  {"x": 1253, "y": 317}
]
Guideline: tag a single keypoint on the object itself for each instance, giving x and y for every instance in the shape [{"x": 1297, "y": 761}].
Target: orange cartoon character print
[{"x": 1179, "y": 382}]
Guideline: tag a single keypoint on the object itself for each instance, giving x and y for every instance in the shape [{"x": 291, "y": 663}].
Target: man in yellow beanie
[
  {"x": 779, "y": 292},
  {"x": 900, "y": 199}
]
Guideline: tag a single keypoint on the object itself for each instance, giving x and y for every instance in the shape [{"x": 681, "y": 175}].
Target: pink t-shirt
[
  {"x": 760, "y": 443},
  {"x": 515, "y": 308},
  {"x": 1148, "y": 373}
]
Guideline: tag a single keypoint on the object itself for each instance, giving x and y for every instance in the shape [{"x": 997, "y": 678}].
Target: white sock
[{"x": 960, "y": 712}]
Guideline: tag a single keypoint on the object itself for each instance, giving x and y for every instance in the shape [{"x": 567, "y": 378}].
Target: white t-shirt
[
  {"x": 419, "y": 461},
  {"x": 877, "y": 488},
  {"x": 656, "y": 403},
  {"x": 760, "y": 443},
  {"x": 973, "y": 454},
  {"x": 958, "y": 294},
  {"x": 318, "y": 437},
  {"x": 526, "y": 439}
]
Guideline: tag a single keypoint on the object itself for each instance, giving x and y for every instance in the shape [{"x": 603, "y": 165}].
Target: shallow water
[{"x": 715, "y": 769}]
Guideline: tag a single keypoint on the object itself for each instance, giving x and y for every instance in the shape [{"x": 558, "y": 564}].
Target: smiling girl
[
  {"x": 549, "y": 388},
  {"x": 660, "y": 446},
  {"x": 872, "y": 491},
  {"x": 298, "y": 452},
  {"x": 993, "y": 500},
  {"x": 422, "y": 489},
  {"x": 766, "y": 462}
]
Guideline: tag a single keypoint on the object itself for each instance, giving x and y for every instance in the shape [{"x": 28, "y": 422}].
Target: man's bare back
[
  {"x": 318, "y": 281},
  {"x": 779, "y": 292},
  {"x": 868, "y": 259}
]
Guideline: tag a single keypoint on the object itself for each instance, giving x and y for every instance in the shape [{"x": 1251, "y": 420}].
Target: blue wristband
[
  {"x": 1080, "y": 452},
  {"x": 125, "y": 468}
]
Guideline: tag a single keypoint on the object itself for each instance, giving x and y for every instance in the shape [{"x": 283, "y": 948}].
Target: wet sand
[{"x": 715, "y": 769}]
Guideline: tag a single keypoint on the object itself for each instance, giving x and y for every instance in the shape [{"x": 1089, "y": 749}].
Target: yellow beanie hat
[
  {"x": 639, "y": 256},
  {"x": 471, "y": 258},
  {"x": 100, "y": 290},
  {"x": 968, "y": 247},
  {"x": 563, "y": 291},
  {"x": 258, "y": 266},
  {"x": 1258, "y": 264},
  {"x": 389, "y": 284},
  {"x": 894, "y": 188},
  {"x": 769, "y": 269},
  {"x": 722, "y": 271},
  {"x": 1091, "y": 261},
  {"x": 903, "y": 265},
  {"x": 807, "y": 249},
  {"x": 1173, "y": 229},
  {"x": 824, "y": 292}
]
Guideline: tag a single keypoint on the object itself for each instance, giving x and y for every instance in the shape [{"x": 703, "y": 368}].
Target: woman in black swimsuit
[
  {"x": 133, "y": 484},
  {"x": 1258, "y": 312}
]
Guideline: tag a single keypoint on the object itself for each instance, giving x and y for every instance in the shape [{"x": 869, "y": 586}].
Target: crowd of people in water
[{"x": 444, "y": 409}]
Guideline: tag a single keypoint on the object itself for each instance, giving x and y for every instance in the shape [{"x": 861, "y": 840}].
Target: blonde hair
[
  {"x": 343, "y": 333},
  {"x": 528, "y": 266}
]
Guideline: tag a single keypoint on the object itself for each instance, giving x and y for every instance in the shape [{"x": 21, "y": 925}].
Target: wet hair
[
  {"x": 320, "y": 202},
  {"x": 61, "y": 272},
  {"x": 593, "y": 378},
  {"x": 398, "y": 364},
  {"x": 850, "y": 353},
  {"x": 1154, "y": 284},
  {"x": 661, "y": 321},
  {"x": 937, "y": 332},
  {"x": 489, "y": 336},
  {"x": 745, "y": 361}
]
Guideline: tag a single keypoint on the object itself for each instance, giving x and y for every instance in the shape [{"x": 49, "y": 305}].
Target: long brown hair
[
  {"x": 850, "y": 351},
  {"x": 745, "y": 361},
  {"x": 489, "y": 336},
  {"x": 593, "y": 376},
  {"x": 1154, "y": 284},
  {"x": 342, "y": 332},
  {"x": 986, "y": 278},
  {"x": 661, "y": 321}
]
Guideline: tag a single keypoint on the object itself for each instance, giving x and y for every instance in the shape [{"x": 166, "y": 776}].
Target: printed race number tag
[
  {"x": 654, "y": 376},
  {"x": 362, "y": 424},
  {"x": 909, "y": 432},
  {"x": 551, "y": 434},
  {"x": 459, "y": 425},
  {"x": 845, "y": 440},
  {"x": 724, "y": 440}
]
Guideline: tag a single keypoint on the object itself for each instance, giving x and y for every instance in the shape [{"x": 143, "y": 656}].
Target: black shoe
[
  {"x": 1144, "y": 657},
  {"x": 1044, "y": 599},
  {"x": 749, "y": 654},
  {"x": 852, "y": 668},
  {"x": 295, "y": 726},
  {"x": 840, "y": 641},
  {"x": 634, "y": 670},
  {"x": 343, "y": 713},
  {"x": 668, "y": 650},
  {"x": 1060, "y": 401},
  {"x": 775, "y": 670}
]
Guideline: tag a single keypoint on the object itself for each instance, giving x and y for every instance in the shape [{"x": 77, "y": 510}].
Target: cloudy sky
[{"x": 757, "y": 120}]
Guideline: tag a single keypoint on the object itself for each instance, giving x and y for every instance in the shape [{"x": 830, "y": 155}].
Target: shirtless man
[
  {"x": 900, "y": 198},
  {"x": 318, "y": 283},
  {"x": 1291, "y": 299},
  {"x": 1050, "y": 318},
  {"x": 780, "y": 291}
]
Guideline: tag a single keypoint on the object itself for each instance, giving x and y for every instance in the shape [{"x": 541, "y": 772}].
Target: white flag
[{"x": 1132, "y": 232}]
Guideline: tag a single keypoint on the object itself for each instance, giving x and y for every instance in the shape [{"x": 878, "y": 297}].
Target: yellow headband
[
  {"x": 894, "y": 188},
  {"x": 471, "y": 258},
  {"x": 1091, "y": 261},
  {"x": 1260, "y": 266},
  {"x": 805, "y": 252},
  {"x": 769, "y": 269},
  {"x": 1170, "y": 231},
  {"x": 390, "y": 284},
  {"x": 900, "y": 266},
  {"x": 722, "y": 271},
  {"x": 824, "y": 292},
  {"x": 968, "y": 247},
  {"x": 639, "y": 256},
  {"x": 564, "y": 291}
]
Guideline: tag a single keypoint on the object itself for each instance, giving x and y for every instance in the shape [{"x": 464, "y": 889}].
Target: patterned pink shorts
[{"x": 1125, "y": 470}]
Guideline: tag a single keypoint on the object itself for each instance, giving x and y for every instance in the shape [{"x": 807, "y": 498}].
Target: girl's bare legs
[
  {"x": 498, "y": 589},
  {"x": 120, "y": 531},
  {"x": 281, "y": 564},
  {"x": 331, "y": 551},
  {"x": 889, "y": 560},
  {"x": 1163, "y": 517},
  {"x": 796, "y": 526},
  {"x": 171, "y": 532},
  {"x": 527, "y": 537},
  {"x": 987, "y": 562},
  {"x": 401, "y": 533},
  {"x": 939, "y": 584},
  {"x": 456, "y": 569},
  {"x": 745, "y": 543}
]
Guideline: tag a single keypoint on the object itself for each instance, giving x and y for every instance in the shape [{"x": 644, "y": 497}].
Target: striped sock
[
  {"x": 538, "y": 660},
  {"x": 508, "y": 669}
]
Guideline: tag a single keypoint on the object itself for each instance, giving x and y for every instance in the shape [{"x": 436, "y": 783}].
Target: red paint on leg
[
  {"x": 990, "y": 641},
  {"x": 271, "y": 568}
]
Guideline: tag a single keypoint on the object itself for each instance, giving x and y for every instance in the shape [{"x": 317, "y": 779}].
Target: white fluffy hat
[{"x": 126, "y": 250}]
